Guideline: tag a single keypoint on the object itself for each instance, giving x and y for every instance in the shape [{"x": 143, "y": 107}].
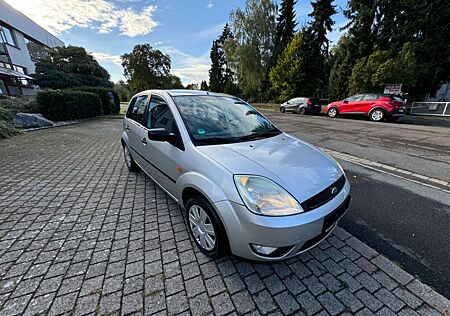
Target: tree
[
  {"x": 215, "y": 73},
  {"x": 220, "y": 72},
  {"x": 123, "y": 91},
  {"x": 315, "y": 46},
  {"x": 287, "y": 77},
  {"x": 147, "y": 68},
  {"x": 371, "y": 74},
  {"x": 204, "y": 86},
  {"x": 251, "y": 50},
  {"x": 286, "y": 25},
  {"x": 68, "y": 67}
]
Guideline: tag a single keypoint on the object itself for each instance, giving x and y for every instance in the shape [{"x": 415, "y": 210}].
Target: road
[{"x": 405, "y": 217}]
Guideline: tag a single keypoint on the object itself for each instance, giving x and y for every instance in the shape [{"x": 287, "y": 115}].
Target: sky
[{"x": 183, "y": 29}]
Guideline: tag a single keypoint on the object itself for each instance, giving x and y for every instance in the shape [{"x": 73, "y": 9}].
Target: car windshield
[{"x": 222, "y": 119}]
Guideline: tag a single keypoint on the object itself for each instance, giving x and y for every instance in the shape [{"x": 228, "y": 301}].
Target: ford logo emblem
[{"x": 333, "y": 190}]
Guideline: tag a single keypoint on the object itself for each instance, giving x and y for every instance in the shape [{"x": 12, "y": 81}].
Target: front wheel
[
  {"x": 332, "y": 112},
  {"x": 206, "y": 228},
  {"x": 377, "y": 115},
  {"x": 282, "y": 109}
]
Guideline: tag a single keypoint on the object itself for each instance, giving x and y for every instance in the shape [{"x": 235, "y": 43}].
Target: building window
[
  {"x": 7, "y": 36},
  {"x": 5, "y": 65},
  {"x": 37, "y": 50},
  {"x": 20, "y": 69}
]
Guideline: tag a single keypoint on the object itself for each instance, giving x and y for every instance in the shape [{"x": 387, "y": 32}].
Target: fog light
[{"x": 263, "y": 250}]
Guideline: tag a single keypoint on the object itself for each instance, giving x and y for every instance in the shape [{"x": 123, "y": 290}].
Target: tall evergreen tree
[
  {"x": 285, "y": 26},
  {"x": 315, "y": 47},
  {"x": 220, "y": 73},
  {"x": 215, "y": 73}
]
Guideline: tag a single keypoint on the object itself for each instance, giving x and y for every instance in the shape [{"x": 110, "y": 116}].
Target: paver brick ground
[{"x": 79, "y": 234}]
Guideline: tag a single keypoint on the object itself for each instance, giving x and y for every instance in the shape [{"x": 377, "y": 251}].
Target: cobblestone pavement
[{"x": 80, "y": 235}]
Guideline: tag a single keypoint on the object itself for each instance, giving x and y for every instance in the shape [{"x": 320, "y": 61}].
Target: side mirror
[
  {"x": 161, "y": 135},
  {"x": 345, "y": 101}
]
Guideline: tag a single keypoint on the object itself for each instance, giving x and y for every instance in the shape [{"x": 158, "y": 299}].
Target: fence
[{"x": 431, "y": 108}]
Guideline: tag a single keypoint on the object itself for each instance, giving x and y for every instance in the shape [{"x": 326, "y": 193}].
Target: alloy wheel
[
  {"x": 377, "y": 115},
  {"x": 332, "y": 112},
  {"x": 202, "y": 227}
]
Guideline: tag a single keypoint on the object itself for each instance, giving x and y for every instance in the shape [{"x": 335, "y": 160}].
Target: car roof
[{"x": 185, "y": 92}]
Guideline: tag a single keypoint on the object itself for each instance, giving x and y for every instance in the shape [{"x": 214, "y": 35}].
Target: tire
[
  {"x": 282, "y": 109},
  {"x": 129, "y": 161},
  {"x": 376, "y": 115},
  {"x": 332, "y": 112},
  {"x": 215, "y": 243},
  {"x": 301, "y": 111}
]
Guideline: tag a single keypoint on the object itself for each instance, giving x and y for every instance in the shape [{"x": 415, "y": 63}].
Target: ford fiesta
[{"x": 246, "y": 186}]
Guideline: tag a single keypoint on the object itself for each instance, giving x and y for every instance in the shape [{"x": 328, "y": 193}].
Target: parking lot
[{"x": 81, "y": 235}]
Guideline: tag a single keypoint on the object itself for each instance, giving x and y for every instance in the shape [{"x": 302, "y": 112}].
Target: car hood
[{"x": 298, "y": 167}]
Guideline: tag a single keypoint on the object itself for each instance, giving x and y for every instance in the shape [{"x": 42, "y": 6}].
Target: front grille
[{"x": 324, "y": 196}]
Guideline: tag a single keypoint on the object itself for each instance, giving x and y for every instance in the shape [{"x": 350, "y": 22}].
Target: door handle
[
  {"x": 127, "y": 128},
  {"x": 144, "y": 141}
]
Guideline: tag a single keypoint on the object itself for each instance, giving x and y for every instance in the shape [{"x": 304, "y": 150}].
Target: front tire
[
  {"x": 129, "y": 161},
  {"x": 376, "y": 115},
  {"x": 282, "y": 109},
  {"x": 206, "y": 227},
  {"x": 332, "y": 112}
]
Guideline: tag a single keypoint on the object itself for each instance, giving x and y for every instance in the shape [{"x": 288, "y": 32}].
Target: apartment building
[{"x": 22, "y": 43}]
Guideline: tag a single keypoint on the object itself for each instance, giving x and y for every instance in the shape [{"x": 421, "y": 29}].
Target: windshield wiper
[
  {"x": 262, "y": 135},
  {"x": 214, "y": 141}
]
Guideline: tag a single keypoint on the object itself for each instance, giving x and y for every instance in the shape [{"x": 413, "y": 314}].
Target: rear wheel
[
  {"x": 206, "y": 228},
  {"x": 377, "y": 115},
  {"x": 332, "y": 112},
  {"x": 129, "y": 161},
  {"x": 301, "y": 111}
]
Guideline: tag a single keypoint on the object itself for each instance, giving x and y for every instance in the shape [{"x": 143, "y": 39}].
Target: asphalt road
[{"x": 407, "y": 221}]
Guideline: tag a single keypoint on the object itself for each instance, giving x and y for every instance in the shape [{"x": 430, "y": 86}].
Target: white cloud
[
  {"x": 190, "y": 69},
  {"x": 210, "y": 4},
  {"x": 61, "y": 15},
  {"x": 102, "y": 57}
]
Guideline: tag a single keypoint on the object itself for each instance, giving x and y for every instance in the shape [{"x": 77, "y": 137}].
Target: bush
[
  {"x": 103, "y": 93},
  {"x": 63, "y": 105},
  {"x": 7, "y": 130}
]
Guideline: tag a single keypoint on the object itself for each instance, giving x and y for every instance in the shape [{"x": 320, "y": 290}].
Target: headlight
[{"x": 263, "y": 196}]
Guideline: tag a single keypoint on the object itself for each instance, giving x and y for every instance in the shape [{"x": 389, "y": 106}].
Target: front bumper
[{"x": 294, "y": 234}]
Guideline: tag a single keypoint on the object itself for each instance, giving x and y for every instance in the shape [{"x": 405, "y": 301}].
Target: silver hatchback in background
[{"x": 246, "y": 186}]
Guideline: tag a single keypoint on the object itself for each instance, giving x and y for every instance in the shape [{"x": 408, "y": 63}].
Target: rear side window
[{"x": 136, "y": 109}]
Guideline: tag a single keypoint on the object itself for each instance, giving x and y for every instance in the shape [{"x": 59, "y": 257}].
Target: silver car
[{"x": 246, "y": 186}]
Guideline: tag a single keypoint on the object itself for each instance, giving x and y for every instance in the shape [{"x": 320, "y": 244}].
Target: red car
[{"x": 376, "y": 106}]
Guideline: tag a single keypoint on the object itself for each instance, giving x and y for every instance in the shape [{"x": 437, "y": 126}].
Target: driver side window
[{"x": 160, "y": 116}]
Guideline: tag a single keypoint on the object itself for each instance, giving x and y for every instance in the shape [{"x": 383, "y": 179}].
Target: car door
[
  {"x": 366, "y": 103},
  {"x": 134, "y": 125},
  {"x": 163, "y": 159},
  {"x": 351, "y": 104}
]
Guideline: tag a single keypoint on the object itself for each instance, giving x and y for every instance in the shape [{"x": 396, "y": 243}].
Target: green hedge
[
  {"x": 63, "y": 105},
  {"x": 103, "y": 93}
]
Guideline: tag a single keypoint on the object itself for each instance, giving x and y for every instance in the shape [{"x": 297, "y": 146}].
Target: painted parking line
[{"x": 387, "y": 169}]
